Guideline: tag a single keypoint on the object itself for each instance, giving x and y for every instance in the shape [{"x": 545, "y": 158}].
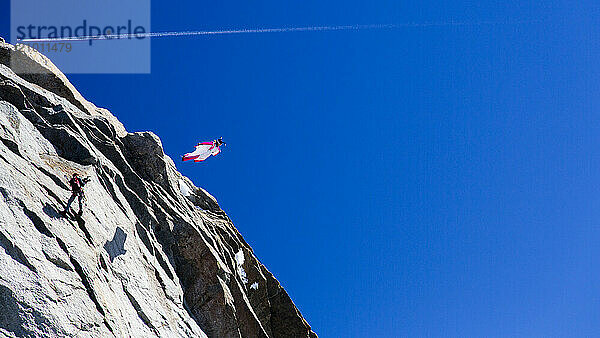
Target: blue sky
[{"x": 437, "y": 181}]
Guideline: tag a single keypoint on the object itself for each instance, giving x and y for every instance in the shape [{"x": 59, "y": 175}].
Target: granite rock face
[{"x": 152, "y": 255}]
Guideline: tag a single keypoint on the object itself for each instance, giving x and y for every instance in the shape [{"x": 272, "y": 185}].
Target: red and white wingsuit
[{"x": 202, "y": 152}]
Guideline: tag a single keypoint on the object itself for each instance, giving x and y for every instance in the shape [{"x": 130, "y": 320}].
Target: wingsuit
[{"x": 204, "y": 150}]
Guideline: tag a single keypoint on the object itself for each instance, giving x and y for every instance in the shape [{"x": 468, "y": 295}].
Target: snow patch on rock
[
  {"x": 184, "y": 189},
  {"x": 239, "y": 259}
]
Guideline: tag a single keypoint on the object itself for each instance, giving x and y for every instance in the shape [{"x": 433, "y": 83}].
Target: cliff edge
[{"x": 152, "y": 254}]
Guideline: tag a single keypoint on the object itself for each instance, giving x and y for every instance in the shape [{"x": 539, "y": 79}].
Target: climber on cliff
[
  {"x": 76, "y": 184},
  {"x": 204, "y": 150}
]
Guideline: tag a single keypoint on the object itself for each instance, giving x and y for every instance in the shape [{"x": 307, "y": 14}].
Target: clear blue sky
[{"x": 410, "y": 182}]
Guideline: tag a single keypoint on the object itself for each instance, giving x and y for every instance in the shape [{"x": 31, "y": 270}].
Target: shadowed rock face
[{"x": 152, "y": 255}]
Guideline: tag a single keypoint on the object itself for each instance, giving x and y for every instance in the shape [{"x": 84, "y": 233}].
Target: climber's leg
[
  {"x": 80, "y": 195},
  {"x": 71, "y": 199}
]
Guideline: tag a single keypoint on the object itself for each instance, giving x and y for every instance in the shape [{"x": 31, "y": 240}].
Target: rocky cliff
[{"x": 152, "y": 254}]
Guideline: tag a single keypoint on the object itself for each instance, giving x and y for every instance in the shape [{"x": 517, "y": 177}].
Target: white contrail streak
[{"x": 262, "y": 30}]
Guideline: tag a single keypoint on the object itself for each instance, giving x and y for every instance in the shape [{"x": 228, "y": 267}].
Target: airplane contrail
[{"x": 268, "y": 30}]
